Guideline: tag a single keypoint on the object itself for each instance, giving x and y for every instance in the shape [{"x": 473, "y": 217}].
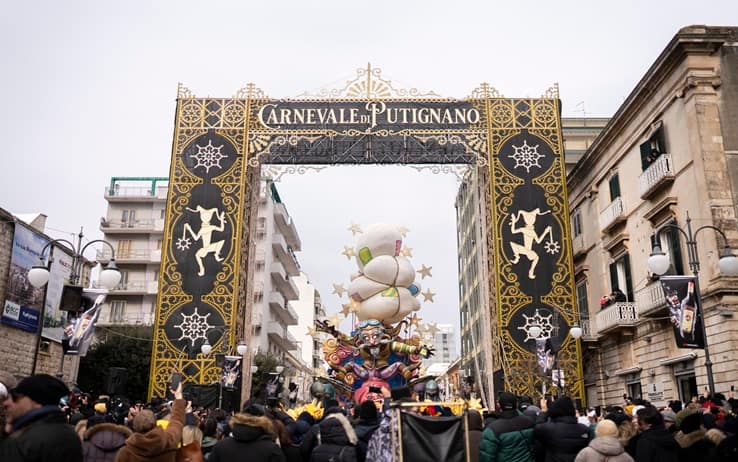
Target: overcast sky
[{"x": 89, "y": 92}]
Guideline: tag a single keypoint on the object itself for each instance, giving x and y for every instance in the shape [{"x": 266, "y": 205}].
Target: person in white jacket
[{"x": 605, "y": 445}]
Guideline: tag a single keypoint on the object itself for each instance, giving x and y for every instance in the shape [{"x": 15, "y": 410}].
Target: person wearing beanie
[
  {"x": 691, "y": 439},
  {"x": 38, "y": 428},
  {"x": 149, "y": 441},
  {"x": 669, "y": 419},
  {"x": 562, "y": 437},
  {"x": 336, "y": 438},
  {"x": 605, "y": 445},
  {"x": 510, "y": 436},
  {"x": 365, "y": 426},
  {"x": 655, "y": 443}
]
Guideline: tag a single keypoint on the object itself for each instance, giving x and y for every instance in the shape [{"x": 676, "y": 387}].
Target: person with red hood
[{"x": 152, "y": 443}]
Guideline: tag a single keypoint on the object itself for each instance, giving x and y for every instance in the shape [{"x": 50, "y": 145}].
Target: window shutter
[
  {"x": 628, "y": 283},
  {"x": 613, "y": 276},
  {"x": 676, "y": 251},
  {"x": 614, "y": 187}
]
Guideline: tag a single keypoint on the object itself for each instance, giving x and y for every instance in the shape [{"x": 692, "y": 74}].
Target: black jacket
[
  {"x": 102, "y": 442},
  {"x": 252, "y": 439},
  {"x": 42, "y": 435},
  {"x": 560, "y": 439},
  {"x": 364, "y": 431},
  {"x": 337, "y": 440},
  {"x": 656, "y": 445}
]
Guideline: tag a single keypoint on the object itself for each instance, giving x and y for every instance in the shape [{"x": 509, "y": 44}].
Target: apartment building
[
  {"x": 668, "y": 153},
  {"x": 134, "y": 225}
]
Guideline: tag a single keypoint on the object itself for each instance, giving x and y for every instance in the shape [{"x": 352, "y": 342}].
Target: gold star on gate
[
  {"x": 403, "y": 231},
  {"x": 346, "y": 309},
  {"x": 406, "y": 252},
  {"x": 338, "y": 289},
  {"x": 425, "y": 271},
  {"x": 355, "y": 229},
  {"x": 428, "y": 296},
  {"x": 348, "y": 251}
]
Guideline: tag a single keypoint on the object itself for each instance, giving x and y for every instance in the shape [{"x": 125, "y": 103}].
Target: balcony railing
[
  {"x": 135, "y": 225},
  {"x": 287, "y": 226},
  {"x": 126, "y": 319},
  {"x": 615, "y": 316},
  {"x": 280, "y": 248},
  {"x": 136, "y": 192},
  {"x": 613, "y": 214},
  {"x": 131, "y": 255},
  {"x": 280, "y": 335},
  {"x": 589, "y": 330},
  {"x": 651, "y": 300},
  {"x": 577, "y": 244},
  {"x": 659, "y": 173},
  {"x": 284, "y": 284}
]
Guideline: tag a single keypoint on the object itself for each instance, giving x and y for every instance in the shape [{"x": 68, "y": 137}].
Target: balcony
[
  {"x": 658, "y": 174},
  {"x": 651, "y": 300},
  {"x": 287, "y": 226},
  {"x": 577, "y": 245},
  {"x": 615, "y": 316},
  {"x": 130, "y": 288},
  {"x": 126, "y": 319},
  {"x": 612, "y": 215},
  {"x": 256, "y": 316},
  {"x": 283, "y": 309},
  {"x": 589, "y": 330},
  {"x": 283, "y": 283},
  {"x": 136, "y": 194},
  {"x": 130, "y": 255},
  {"x": 279, "y": 335},
  {"x": 132, "y": 227},
  {"x": 285, "y": 255}
]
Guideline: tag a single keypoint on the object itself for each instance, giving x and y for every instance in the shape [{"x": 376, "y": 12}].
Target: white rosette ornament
[{"x": 385, "y": 284}]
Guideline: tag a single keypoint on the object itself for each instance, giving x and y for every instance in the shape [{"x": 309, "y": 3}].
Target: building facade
[
  {"x": 670, "y": 152},
  {"x": 134, "y": 225}
]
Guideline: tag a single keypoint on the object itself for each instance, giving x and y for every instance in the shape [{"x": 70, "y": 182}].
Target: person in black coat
[
  {"x": 102, "y": 440},
  {"x": 337, "y": 440},
  {"x": 655, "y": 443},
  {"x": 365, "y": 427},
  {"x": 39, "y": 431},
  {"x": 693, "y": 445},
  {"x": 561, "y": 438},
  {"x": 252, "y": 438}
]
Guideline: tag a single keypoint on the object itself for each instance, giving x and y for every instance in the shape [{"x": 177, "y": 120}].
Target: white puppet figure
[
  {"x": 206, "y": 234},
  {"x": 529, "y": 236}
]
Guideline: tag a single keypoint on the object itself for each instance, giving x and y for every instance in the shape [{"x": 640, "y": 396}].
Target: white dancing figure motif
[
  {"x": 529, "y": 237},
  {"x": 206, "y": 234}
]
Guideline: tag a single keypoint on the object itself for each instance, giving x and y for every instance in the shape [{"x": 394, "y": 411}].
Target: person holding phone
[{"x": 152, "y": 443}]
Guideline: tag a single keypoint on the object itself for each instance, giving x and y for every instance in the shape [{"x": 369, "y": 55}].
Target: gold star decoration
[
  {"x": 338, "y": 289},
  {"x": 334, "y": 320},
  {"x": 425, "y": 271},
  {"x": 403, "y": 231},
  {"x": 415, "y": 320},
  {"x": 406, "y": 252},
  {"x": 348, "y": 251},
  {"x": 355, "y": 306},
  {"x": 433, "y": 329},
  {"x": 355, "y": 229},
  {"x": 346, "y": 309},
  {"x": 428, "y": 296},
  {"x": 311, "y": 331}
]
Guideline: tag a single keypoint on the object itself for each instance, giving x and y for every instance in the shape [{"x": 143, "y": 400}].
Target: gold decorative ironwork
[
  {"x": 276, "y": 172},
  {"x": 552, "y": 92}
]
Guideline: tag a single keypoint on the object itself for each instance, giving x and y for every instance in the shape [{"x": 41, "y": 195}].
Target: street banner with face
[
  {"x": 231, "y": 371},
  {"x": 685, "y": 311},
  {"x": 78, "y": 334}
]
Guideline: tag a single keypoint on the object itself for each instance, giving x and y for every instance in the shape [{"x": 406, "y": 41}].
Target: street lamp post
[
  {"x": 658, "y": 263},
  {"x": 39, "y": 275}
]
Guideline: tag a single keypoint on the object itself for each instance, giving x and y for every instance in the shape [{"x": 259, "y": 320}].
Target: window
[
  {"x": 128, "y": 218},
  {"x": 258, "y": 297},
  {"x": 124, "y": 248},
  {"x": 634, "y": 390},
  {"x": 123, "y": 279},
  {"x": 158, "y": 244},
  {"x": 582, "y": 302},
  {"x": 654, "y": 146},
  {"x": 162, "y": 213},
  {"x": 117, "y": 311},
  {"x": 620, "y": 276},
  {"x": 669, "y": 244},
  {"x": 576, "y": 223},
  {"x": 259, "y": 266},
  {"x": 614, "y": 183},
  {"x": 687, "y": 387}
]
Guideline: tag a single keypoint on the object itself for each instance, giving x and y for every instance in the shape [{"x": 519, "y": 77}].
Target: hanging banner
[
  {"x": 54, "y": 318},
  {"x": 231, "y": 371},
  {"x": 545, "y": 355},
  {"x": 684, "y": 310},
  {"x": 78, "y": 334},
  {"x": 22, "y": 307}
]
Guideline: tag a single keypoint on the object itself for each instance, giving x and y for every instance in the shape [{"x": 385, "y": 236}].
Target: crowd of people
[{"x": 42, "y": 420}]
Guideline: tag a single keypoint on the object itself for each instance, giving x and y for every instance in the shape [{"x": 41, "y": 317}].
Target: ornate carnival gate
[{"x": 220, "y": 144}]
